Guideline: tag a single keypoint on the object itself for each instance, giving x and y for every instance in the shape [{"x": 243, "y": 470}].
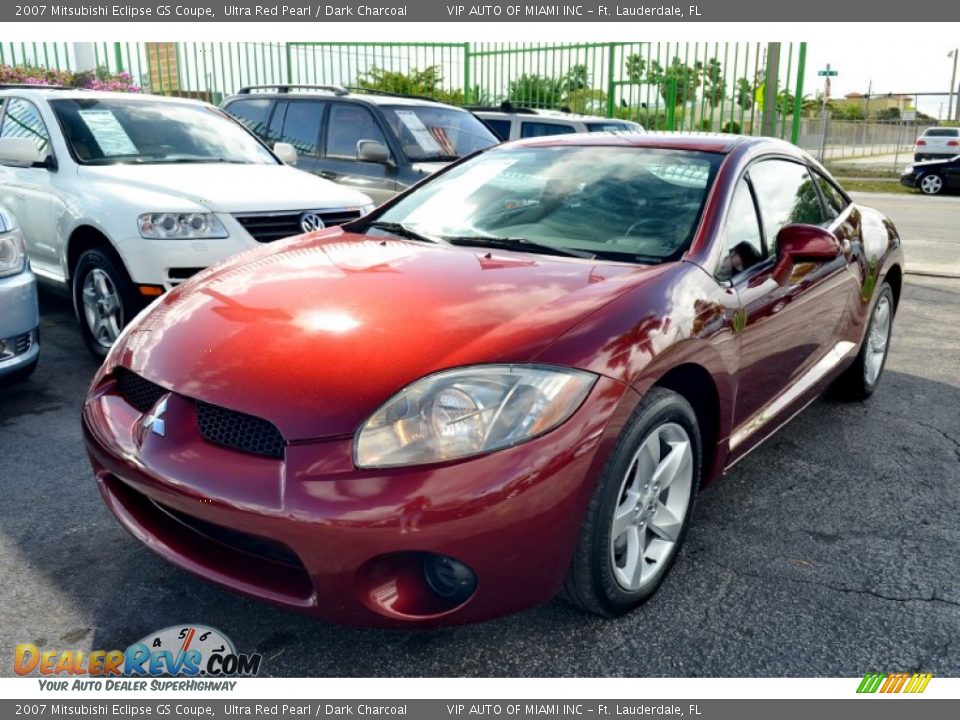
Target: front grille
[
  {"x": 139, "y": 392},
  {"x": 267, "y": 227},
  {"x": 239, "y": 431},
  {"x": 235, "y": 539}
]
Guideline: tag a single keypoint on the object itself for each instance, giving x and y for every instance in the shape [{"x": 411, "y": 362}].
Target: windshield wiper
[
  {"x": 519, "y": 244},
  {"x": 402, "y": 230}
]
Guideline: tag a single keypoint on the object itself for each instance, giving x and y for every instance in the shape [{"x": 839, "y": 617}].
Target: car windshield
[
  {"x": 109, "y": 130},
  {"x": 430, "y": 133},
  {"x": 632, "y": 204}
]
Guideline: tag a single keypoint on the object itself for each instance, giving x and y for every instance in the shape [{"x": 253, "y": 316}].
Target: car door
[
  {"x": 30, "y": 192},
  {"x": 951, "y": 174},
  {"x": 786, "y": 328},
  {"x": 346, "y": 125},
  {"x": 298, "y": 123}
]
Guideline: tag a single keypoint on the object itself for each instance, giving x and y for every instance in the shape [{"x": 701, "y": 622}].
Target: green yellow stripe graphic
[{"x": 894, "y": 683}]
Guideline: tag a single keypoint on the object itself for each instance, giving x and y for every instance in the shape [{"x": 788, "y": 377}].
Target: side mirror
[
  {"x": 799, "y": 242},
  {"x": 372, "y": 151},
  {"x": 286, "y": 152},
  {"x": 19, "y": 152}
]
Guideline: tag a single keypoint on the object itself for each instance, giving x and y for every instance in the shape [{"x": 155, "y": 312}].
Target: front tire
[
  {"x": 639, "y": 513},
  {"x": 931, "y": 184},
  {"x": 859, "y": 381},
  {"x": 104, "y": 298}
]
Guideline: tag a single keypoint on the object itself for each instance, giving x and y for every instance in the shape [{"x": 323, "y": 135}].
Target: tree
[
  {"x": 532, "y": 90},
  {"x": 676, "y": 77},
  {"x": 714, "y": 84},
  {"x": 427, "y": 83}
]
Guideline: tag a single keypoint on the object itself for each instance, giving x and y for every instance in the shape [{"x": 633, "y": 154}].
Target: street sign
[
  {"x": 909, "y": 115},
  {"x": 827, "y": 73}
]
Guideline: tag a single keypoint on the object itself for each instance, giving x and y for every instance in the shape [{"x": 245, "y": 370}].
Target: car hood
[
  {"x": 229, "y": 187},
  {"x": 314, "y": 333}
]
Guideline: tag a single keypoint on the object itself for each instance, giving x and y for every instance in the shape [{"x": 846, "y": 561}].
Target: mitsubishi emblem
[{"x": 154, "y": 421}]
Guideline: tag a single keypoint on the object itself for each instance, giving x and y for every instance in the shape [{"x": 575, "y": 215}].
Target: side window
[
  {"x": 301, "y": 126},
  {"x": 347, "y": 126},
  {"x": 836, "y": 203},
  {"x": 785, "y": 194},
  {"x": 529, "y": 129},
  {"x": 742, "y": 241},
  {"x": 500, "y": 128},
  {"x": 252, "y": 113},
  {"x": 275, "y": 128},
  {"x": 22, "y": 119}
]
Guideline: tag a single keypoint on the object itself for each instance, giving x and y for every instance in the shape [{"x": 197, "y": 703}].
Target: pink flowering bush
[{"x": 100, "y": 79}]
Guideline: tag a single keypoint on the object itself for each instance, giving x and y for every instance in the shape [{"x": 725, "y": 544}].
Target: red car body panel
[{"x": 317, "y": 332}]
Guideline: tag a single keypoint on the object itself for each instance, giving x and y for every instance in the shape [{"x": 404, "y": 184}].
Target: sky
[{"x": 907, "y": 66}]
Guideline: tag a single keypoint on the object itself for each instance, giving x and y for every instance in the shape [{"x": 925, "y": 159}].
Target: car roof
[
  {"x": 694, "y": 142},
  {"x": 526, "y": 113},
  {"x": 334, "y": 91},
  {"x": 56, "y": 93}
]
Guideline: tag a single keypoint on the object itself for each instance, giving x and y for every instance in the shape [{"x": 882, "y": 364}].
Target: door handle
[{"x": 327, "y": 175}]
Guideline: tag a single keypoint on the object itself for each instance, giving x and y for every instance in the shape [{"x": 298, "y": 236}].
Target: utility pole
[
  {"x": 768, "y": 121},
  {"x": 866, "y": 110},
  {"x": 953, "y": 82}
]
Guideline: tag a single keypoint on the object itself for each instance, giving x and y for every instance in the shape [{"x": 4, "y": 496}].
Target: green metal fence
[{"x": 751, "y": 88}]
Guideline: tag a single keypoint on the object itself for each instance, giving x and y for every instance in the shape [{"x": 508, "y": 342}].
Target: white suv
[
  {"x": 122, "y": 196},
  {"x": 936, "y": 143},
  {"x": 509, "y": 122}
]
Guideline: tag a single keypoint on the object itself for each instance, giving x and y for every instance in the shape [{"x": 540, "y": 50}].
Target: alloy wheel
[
  {"x": 654, "y": 499},
  {"x": 102, "y": 308},
  {"x": 877, "y": 338},
  {"x": 931, "y": 184}
]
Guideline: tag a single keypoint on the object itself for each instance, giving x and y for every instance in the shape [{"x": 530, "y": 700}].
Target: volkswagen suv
[{"x": 120, "y": 197}]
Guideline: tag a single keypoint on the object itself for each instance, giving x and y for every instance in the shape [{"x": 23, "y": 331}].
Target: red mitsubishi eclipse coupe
[{"x": 507, "y": 382}]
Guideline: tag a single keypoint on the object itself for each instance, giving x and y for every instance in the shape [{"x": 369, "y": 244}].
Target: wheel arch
[
  {"x": 894, "y": 278},
  {"x": 83, "y": 238},
  {"x": 696, "y": 385}
]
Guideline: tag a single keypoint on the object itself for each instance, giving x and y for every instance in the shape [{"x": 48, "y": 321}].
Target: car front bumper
[
  {"x": 313, "y": 533},
  {"x": 909, "y": 180},
  {"x": 19, "y": 321}
]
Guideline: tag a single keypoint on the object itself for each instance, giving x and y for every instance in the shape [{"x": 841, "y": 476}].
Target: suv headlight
[
  {"x": 469, "y": 411},
  {"x": 366, "y": 209},
  {"x": 13, "y": 256},
  {"x": 181, "y": 226}
]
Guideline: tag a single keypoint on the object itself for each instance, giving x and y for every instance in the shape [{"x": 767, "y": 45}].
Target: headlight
[
  {"x": 366, "y": 209},
  {"x": 469, "y": 411},
  {"x": 180, "y": 226},
  {"x": 13, "y": 257}
]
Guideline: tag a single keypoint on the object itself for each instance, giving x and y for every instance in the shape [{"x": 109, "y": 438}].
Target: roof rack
[
  {"x": 34, "y": 86},
  {"x": 286, "y": 87},
  {"x": 387, "y": 93}
]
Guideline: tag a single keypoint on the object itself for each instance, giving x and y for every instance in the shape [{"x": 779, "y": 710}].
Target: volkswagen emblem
[{"x": 311, "y": 221}]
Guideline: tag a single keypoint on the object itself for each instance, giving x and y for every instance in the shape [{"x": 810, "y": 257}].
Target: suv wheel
[{"x": 104, "y": 298}]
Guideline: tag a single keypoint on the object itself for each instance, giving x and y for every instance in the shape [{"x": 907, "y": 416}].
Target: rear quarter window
[{"x": 253, "y": 113}]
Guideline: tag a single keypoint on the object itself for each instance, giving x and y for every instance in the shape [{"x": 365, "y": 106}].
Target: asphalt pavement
[{"x": 833, "y": 550}]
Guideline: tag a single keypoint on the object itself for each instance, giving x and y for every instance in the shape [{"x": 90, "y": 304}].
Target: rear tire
[
  {"x": 859, "y": 381},
  {"x": 104, "y": 299},
  {"x": 640, "y": 510}
]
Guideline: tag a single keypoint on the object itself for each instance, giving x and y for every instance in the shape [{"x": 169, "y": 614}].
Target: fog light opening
[{"x": 449, "y": 578}]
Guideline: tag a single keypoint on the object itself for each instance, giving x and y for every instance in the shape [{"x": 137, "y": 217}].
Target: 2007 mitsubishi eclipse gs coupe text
[{"x": 506, "y": 383}]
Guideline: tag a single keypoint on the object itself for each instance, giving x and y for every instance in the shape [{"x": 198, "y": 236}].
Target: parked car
[
  {"x": 936, "y": 143},
  {"x": 507, "y": 382},
  {"x": 122, "y": 196},
  {"x": 509, "y": 122},
  {"x": 19, "y": 316},
  {"x": 933, "y": 176},
  {"x": 380, "y": 144}
]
